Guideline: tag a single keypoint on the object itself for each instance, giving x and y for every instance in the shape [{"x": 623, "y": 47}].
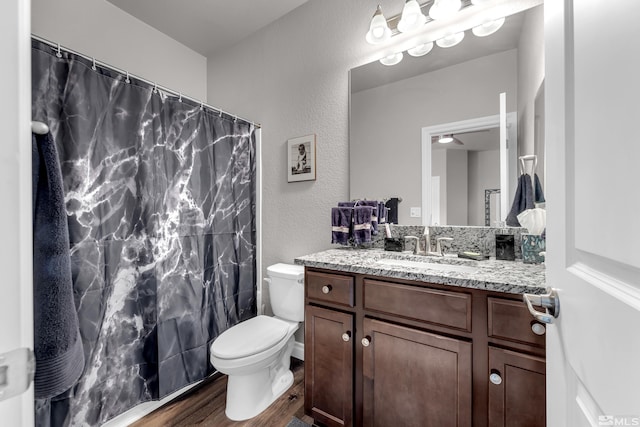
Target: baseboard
[{"x": 298, "y": 351}]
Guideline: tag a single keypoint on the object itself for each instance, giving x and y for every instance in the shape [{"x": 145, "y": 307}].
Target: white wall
[
  {"x": 457, "y": 190},
  {"x": 484, "y": 174},
  {"x": 99, "y": 29},
  {"x": 386, "y": 123},
  {"x": 530, "y": 76},
  {"x": 439, "y": 168}
]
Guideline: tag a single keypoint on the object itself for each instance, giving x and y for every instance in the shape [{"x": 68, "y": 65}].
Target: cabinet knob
[
  {"x": 538, "y": 328},
  {"x": 346, "y": 336},
  {"x": 366, "y": 341},
  {"x": 326, "y": 289},
  {"x": 495, "y": 378}
]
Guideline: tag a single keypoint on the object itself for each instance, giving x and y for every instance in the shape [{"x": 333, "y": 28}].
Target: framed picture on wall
[{"x": 301, "y": 154}]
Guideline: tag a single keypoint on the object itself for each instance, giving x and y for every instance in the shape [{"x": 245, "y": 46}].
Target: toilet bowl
[{"x": 256, "y": 353}]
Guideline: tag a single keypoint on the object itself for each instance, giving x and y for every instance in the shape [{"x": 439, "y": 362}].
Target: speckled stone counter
[{"x": 502, "y": 276}]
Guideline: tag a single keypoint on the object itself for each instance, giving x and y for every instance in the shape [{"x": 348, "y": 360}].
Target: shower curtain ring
[
  {"x": 93, "y": 64},
  {"x": 179, "y": 97},
  {"x": 155, "y": 88},
  {"x": 220, "y": 113},
  {"x": 235, "y": 119},
  {"x": 59, "y": 53},
  {"x": 201, "y": 105},
  {"x": 127, "y": 79}
]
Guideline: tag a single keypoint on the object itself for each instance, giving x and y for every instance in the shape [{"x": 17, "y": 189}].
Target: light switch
[{"x": 416, "y": 212}]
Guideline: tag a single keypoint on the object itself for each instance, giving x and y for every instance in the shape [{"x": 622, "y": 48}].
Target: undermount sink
[{"x": 428, "y": 265}]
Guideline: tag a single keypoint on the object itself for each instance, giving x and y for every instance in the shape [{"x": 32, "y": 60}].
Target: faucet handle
[
  {"x": 416, "y": 249},
  {"x": 439, "y": 248}
]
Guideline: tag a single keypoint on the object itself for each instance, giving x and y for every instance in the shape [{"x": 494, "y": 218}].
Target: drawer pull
[
  {"x": 538, "y": 328},
  {"x": 346, "y": 336},
  {"x": 366, "y": 341},
  {"x": 326, "y": 289},
  {"x": 495, "y": 378}
]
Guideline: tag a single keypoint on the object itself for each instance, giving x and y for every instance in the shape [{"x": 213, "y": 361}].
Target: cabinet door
[
  {"x": 328, "y": 367},
  {"x": 414, "y": 378},
  {"x": 516, "y": 389}
]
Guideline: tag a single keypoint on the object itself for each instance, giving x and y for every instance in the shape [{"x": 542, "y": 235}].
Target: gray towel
[
  {"x": 539, "y": 192},
  {"x": 341, "y": 225},
  {"x": 522, "y": 201},
  {"x": 57, "y": 343}
]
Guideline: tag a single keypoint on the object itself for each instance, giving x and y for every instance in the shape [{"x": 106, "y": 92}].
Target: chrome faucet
[{"x": 417, "y": 249}]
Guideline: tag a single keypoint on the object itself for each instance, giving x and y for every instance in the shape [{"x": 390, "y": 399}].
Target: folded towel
[
  {"x": 57, "y": 343},
  {"x": 362, "y": 224},
  {"x": 341, "y": 225},
  {"x": 382, "y": 213},
  {"x": 392, "y": 214},
  {"x": 522, "y": 201},
  {"x": 374, "y": 214}
]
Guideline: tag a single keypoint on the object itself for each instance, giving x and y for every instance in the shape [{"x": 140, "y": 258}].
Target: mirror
[{"x": 392, "y": 107}]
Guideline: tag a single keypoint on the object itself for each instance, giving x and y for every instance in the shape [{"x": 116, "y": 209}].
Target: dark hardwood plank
[{"x": 204, "y": 406}]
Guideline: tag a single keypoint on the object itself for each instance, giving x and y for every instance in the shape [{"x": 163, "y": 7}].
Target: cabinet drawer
[
  {"x": 445, "y": 308},
  {"x": 333, "y": 288},
  {"x": 511, "y": 320}
]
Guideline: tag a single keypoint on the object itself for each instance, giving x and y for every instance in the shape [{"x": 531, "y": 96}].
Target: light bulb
[
  {"x": 445, "y": 139},
  {"x": 443, "y": 9},
  {"x": 421, "y": 49},
  {"x": 450, "y": 40},
  {"x": 412, "y": 17},
  {"x": 488, "y": 28},
  {"x": 379, "y": 31},
  {"x": 392, "y": 59}
]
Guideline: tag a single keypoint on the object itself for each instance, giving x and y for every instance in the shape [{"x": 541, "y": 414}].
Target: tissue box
[
  {"x": 532, "y": 245},
  {"x": 393, "y": 244}
]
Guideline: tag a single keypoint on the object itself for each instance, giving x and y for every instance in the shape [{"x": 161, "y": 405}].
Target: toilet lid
[{"x": 249, "y": 337}]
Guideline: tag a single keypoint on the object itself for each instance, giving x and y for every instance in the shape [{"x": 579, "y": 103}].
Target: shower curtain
[{"x": 160, "y": 196}]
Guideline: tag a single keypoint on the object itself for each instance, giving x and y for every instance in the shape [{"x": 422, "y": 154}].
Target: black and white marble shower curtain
[{"x": 160, "y": 198}]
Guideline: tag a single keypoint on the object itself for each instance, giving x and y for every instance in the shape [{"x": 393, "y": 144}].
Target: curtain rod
[{"x": 57, "y": 47}]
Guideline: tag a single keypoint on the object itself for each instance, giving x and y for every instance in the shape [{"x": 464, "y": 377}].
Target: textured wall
[
  {"x": 293, "y": 78},
  {"x": 99, "y": 29}
]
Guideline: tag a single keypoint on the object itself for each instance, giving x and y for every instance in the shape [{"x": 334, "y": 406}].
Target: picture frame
[{"x": 301, "y": 158}]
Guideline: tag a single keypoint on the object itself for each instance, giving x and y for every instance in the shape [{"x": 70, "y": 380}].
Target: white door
[
  {"x": 592, "y": 109},
  {"x": 16, "y": 290}
]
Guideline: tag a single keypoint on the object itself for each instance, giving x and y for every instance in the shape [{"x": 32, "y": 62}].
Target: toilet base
[{"x": 249, "y": 395}]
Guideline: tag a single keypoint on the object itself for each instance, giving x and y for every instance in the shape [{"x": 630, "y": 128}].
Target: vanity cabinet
[{"x": 390, "y": 352}]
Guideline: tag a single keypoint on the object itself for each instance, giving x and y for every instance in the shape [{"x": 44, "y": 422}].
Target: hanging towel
[
  {"x": 57, "y": 343},
  {"x": 382, "y": 213},
  {"x": 346, "y": 204},
  {"x": 341, "y": 225},
  {"x": 374, "y": 214},
  {"x": 362, "y": 224},
  {"x": 522, "y": 201},
  {"x": 392, "y": 214},
  {"x": 539, "y": 193}
]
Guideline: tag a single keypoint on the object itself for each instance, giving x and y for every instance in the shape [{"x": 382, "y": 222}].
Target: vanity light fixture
[
  {"x": 412, "y": 17},
  {"x": 488, "y": 28},
  {"x": 450, "y": 40},
  {"x": 421, "y": 49},
  {"x": 444, "y": 9},
  {"x": 392, "y": 59},
  {"x": 379, "y": 31}
]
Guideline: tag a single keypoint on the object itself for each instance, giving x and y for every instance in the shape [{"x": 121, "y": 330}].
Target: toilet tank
[{"x": 286, "y": 291}]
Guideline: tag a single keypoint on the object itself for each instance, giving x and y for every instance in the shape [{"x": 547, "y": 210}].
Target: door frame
[{"x": 16, "y": 304}]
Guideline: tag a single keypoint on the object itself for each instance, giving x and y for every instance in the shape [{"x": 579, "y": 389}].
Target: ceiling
[{"x": 207, "y": 26}]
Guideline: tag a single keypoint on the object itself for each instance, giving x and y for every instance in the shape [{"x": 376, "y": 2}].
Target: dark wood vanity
[{"x": 393, "y": 352}]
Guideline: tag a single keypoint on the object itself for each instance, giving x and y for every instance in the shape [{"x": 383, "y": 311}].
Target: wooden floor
[{"x": 204, "y": 406}]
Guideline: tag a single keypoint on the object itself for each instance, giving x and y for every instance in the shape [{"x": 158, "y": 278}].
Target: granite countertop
[{"x": 512, "y": 277}]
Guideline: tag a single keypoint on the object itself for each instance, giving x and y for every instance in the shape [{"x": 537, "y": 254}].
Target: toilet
[{"x": 256, "y": 353}]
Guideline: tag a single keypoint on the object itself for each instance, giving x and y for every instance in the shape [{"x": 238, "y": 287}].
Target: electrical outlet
[{"x": 415, "y": 212}]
